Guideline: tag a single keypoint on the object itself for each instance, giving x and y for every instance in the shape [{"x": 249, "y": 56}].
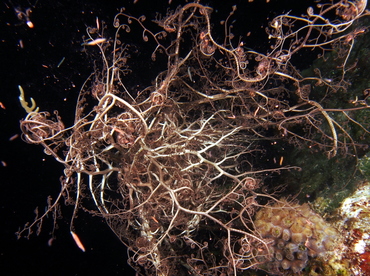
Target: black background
[{"x": 29, "y": 175}]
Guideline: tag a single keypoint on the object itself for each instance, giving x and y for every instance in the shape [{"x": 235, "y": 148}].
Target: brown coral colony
[{"x": 296, "y": 233}]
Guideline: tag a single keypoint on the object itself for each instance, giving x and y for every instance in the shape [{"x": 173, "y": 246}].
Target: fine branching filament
[{"x": 170, "y": 168}]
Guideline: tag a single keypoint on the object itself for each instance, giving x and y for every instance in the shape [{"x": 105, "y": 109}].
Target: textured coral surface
[{"x": 295, "y": 234}]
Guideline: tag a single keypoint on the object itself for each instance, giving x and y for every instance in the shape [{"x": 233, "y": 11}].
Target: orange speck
[
  {"x": 30, "y": 24},
  {"x": 155, "y": 219},
  {"x": 281, "y": 160},
  {"x": 78, "y": 241},
  {"x": 96, "y": 41},
  {"x": 15, "y": 136}
]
